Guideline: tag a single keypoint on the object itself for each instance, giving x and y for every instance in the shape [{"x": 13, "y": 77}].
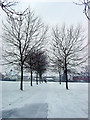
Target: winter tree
[
  {"x": 86, "y": 6},
  {"x": 6, "y": 6},
  {"x": 69, "y": 48},
  {"x": 41, "y": 64},
  {"x": 22, "y": 33},
  {"x": 30, "y": 63},
  {"x": 37, "y": 61},
  {"x": 56, "y": 65}
]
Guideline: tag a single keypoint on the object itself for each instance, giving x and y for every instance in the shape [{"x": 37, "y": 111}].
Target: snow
[
  {"x": 36, "y": 110},
  {"x": 46, "y": 100}
]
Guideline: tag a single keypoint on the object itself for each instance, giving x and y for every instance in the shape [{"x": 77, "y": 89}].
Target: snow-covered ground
[{"x": 46, "y": 100}]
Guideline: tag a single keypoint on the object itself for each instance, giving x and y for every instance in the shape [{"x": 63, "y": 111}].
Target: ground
[{"x": 46, "y": 100}]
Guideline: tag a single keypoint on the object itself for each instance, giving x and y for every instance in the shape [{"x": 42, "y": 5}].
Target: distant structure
[
  {"x": 13, "y": 76},
  {"x": 82, "y": 77}
]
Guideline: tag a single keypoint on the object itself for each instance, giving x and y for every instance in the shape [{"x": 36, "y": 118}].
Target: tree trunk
[
  {"x": 40, "y": 78},
  {"x": 31, "y": 77},
  {"x": 66, "y": 80},
  {"x": 21, "y": 86},
  {"x": 66, "y": 76},
  {"x": 37, "y": 78},
  {"x": 59, "y": 77}
]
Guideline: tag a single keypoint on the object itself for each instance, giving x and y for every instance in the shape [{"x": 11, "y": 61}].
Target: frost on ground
[{"x": 49, "y": 100}]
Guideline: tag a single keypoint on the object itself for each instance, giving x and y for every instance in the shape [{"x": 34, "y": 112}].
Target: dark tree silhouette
[
  {"x": 69, "y": 48},
  {"x": 41, "y": 64},
  {"x": 37, "y": 61},
  {"x": 22, "y": 33},
  {"x": 30, "y": 63}
]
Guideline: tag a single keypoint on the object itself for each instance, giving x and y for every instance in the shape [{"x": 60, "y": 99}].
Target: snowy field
[{"x": 46, "y": 100}]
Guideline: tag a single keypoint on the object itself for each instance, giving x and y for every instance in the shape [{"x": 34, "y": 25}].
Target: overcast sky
[{"x": 54, "y": 12}]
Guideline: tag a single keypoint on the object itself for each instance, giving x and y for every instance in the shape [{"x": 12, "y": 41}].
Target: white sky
[
  {"x": 56, "y": 12},
  {"x": 53, "y": 12}
]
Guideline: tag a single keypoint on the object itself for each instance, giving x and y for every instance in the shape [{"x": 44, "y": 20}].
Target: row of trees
[
  {"x": 36, "y": 61},
  {"x": 22, "y": 34},
  {"x": 25, "y": 37}
]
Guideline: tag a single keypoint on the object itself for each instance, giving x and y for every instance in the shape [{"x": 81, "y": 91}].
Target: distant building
[
  {"x": 13, "y": 76},
  {"x": 82, "y": 77}
]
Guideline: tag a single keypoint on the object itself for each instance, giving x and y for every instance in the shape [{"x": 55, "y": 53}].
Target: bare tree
[
  {"x": 86, "y": 4},
  {"x": 56, "y": 66},
  {"x": 37, "y": 61},
  {"x": 6, "y": 6},
  {"x": 22, "y": 33},
  {"x": 30, "y": 63},
  {"x": 41, "y": 63},
  {"x": 69, "y": 48}
]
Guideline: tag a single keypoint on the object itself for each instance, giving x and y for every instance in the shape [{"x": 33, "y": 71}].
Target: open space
[
  {"x": 46, "y": 100},
  {"x": 47, "y": 41}
]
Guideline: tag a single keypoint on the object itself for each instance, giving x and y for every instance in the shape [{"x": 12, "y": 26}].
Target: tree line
[{"x": 25, "y": 37}]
